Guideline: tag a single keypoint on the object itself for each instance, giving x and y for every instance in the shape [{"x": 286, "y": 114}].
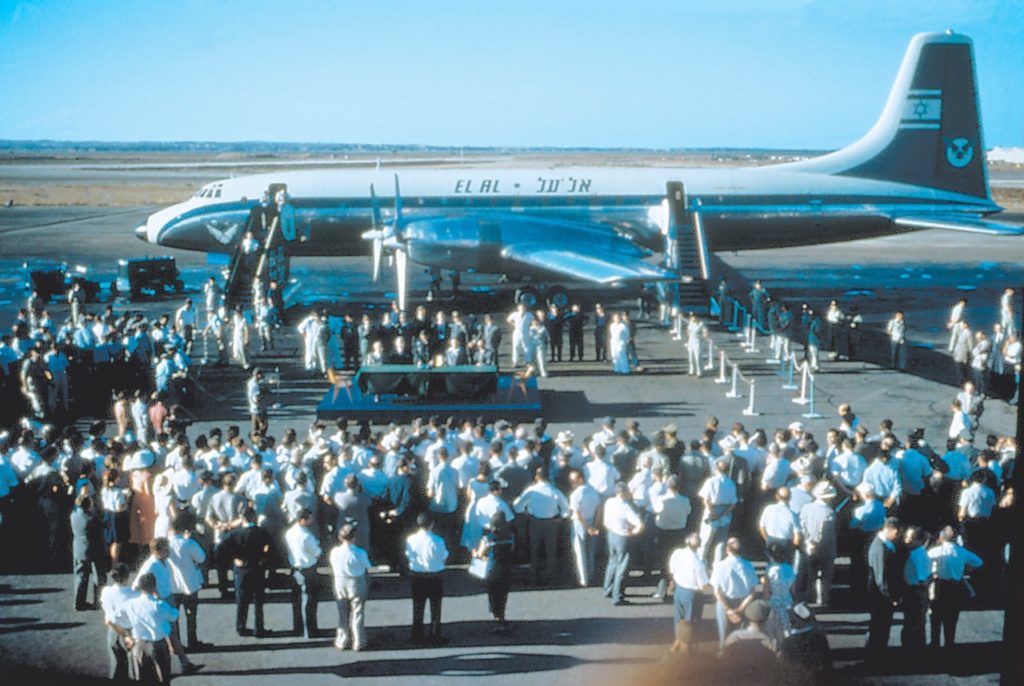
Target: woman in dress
[
  {"x": 497, "y": 545},
  {"x": 142, "y": 514},
  {"x": 122, "y": 414},
  {"x": 778, "y": 588},
  {"x": 618, "y": 341}
]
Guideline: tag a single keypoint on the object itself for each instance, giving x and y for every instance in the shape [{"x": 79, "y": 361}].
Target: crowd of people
[
  {"x": 216, "y": 508},
  {"x": 166, "y": 511}
]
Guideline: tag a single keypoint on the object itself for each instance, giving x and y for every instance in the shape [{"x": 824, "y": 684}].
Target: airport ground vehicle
[
  {"x": 154, "y": 275},
  {"x": 53, "y": 279}
]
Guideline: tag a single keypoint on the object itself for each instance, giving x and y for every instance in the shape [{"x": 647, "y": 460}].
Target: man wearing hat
[{"x": 818, "y": 522}]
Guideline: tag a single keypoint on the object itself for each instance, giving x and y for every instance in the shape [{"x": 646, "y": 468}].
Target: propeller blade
[
  {"x": 378, "y": 250},
  {"x": 402, "y": 272},
  {"x": 398, "y": 202},
  {"x": 375, "y": 206}
]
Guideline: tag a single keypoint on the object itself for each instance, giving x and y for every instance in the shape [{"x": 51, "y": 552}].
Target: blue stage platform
[{"x": 515, "y": 399}]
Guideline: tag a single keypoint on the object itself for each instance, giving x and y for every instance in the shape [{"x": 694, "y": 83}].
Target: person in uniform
[
  {"x": 520, "y": 320},
  {"x": 188, "y": 558},
  {"x": 257, "y": 398},
  {"x": 554, "y": 322},
  {"x": 600, "y": 333},
  {"x": 576, "y": 320},
  {"x": 425, "y": 556},
  {"x": 719, "y": 497}
]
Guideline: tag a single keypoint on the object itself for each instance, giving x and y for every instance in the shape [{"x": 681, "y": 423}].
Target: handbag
[{"x": 480, "y": 567}]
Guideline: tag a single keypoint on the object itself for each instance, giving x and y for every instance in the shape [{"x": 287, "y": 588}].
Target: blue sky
[{"x": 739, "y": 73}]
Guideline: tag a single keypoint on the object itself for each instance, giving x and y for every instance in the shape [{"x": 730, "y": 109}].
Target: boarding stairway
[
  {"x": 265, "y": 259},
  {"x": 689, "y": 252}
]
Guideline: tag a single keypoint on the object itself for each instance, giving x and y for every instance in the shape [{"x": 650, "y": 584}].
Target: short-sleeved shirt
[{"x": 734, "y": 577}]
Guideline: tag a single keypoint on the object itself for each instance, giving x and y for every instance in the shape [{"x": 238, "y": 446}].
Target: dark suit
[
  {"x": 884, "y": 580},
  {"x": 88, "y": 551},
  {"x": 249, "y": 545}
]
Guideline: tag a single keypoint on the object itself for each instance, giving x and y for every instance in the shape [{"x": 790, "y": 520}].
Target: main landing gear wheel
[
  {"x": 558, "y": 295},
  {"x": 529, "y": 296}
]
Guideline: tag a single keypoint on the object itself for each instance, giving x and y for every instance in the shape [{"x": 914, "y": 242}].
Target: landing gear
[
  {"x": 558, "y": 295},
  {"x": 529, "y": 296}
]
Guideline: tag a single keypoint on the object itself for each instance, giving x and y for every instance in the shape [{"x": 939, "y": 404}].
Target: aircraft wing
[
  {"x": 958, "y": 222},
  {"x": 594, "y": 266}
]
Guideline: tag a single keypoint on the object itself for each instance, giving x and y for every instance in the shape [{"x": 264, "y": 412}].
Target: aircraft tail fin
[{"x": 929, "y": 133}]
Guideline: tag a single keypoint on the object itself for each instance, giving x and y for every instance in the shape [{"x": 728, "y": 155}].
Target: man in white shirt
[
  {"x": 733, "y": 581},
  {"x": 689, "y": 579},
  {"x": 778, "y": 522},
  {"x": 600, "y": 473},
  {"x": 443, "y": 494},
  {"x": 350, "y": 565},
  {"x": 949, "y": 562},
  {"x": 158, "y": 566},
  {"x": 148, "y": 619},
  {"x": 112, "y": 600},
  {"x": 620, "y": 522},
  {"x": 547, "y": 506},
  {"x": 520, "y": 320},
  {"x": 719, "y": 497},
  {"x": 584, "y": 502},
  {"x": 671, "y": 515},
  {"x": 426, "y": 554},
  {"x": 187, "y": 558},
  {"x": 303, "y": 554}
]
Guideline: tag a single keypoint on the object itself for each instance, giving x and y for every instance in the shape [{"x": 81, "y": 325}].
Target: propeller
[{"x": 387, "y": 237}]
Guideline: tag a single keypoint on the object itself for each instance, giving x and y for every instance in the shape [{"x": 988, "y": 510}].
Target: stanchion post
[
  {"x": 734, "y": 391},
  {"x": 750, "y": 411},
  {"x": 789, "y": 385},
  {"x": 803, "y": 400},
  {"x": 811, "y": 414},
  {"x": 753, "y": 338},
  {"x": 710, "y": 364},
  {"x": 721, "y": 368}
]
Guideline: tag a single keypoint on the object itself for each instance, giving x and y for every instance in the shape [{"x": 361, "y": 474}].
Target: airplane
[{"x": 922, "y": 166}]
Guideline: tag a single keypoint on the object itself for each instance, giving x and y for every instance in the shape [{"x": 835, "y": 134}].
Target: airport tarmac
[{"x": 562, "y": 636}]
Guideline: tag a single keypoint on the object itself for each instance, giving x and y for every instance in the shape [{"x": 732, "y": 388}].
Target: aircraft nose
[{"x": 142, "y": 232}]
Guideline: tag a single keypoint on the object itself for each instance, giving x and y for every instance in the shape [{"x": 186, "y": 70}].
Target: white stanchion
[
  {"x": 789, "y": 362},
  {"x": 734, "y": 391},
  {"x": 742, "y": 333},
  {"x": 721, "y": 368},
  {"x": 710, "y": 364},
  {"x": 749, "y": 411},
  {"x": 803, "y": 399},
  {"x": 811, "y": 414},
  {"x": 752, "y": 342}
]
